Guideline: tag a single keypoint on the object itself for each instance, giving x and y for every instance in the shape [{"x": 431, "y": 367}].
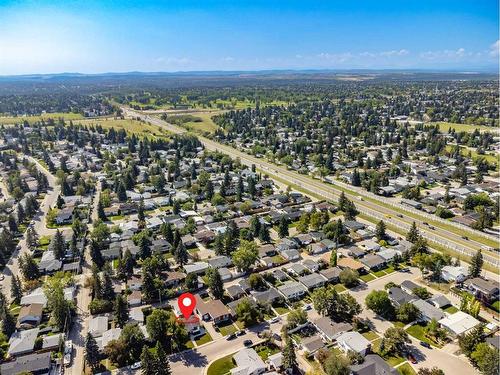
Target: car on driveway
[
  {"x": 247, "y": 342},
  {"x": 275, "y": 320},
  {"x": 135, "y": 366},
  {"x": 241, "y": 332},
  {"x": 425, "y": 345},
  {"x": 411, "y": 358},
  {"x": 232, "y": 336}
]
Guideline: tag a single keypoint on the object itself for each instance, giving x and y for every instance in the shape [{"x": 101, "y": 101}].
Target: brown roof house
[
  {"x": 30, "y": 315},
  {"x": 213, "y": 310}
]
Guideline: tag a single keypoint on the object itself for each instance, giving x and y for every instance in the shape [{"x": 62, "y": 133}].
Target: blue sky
[{"x": 118, "y": 36}]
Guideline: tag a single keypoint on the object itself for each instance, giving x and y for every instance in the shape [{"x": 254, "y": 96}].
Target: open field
[
  {"x": 131, "y": 126},
  {"x": 489, "y": 157},
  {"x": 198, "y": 122},
  {"x": 11, "y": 120},
  {"x": 444, "y": 126}
]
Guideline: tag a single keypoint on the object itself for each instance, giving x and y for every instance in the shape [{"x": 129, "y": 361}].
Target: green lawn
[
  {"x": 339, "y": 288},
  {"x": 406, "y": 369},
  {"x": 451, "y": 310},
  {"x": 201, "y": 122},
  {"x": 418, "y": 331},
  {"x": 368, "y": 277},
  {"x": 281, "y": 310},
  {"x": 392, "y": 360},
  {"x": 370, "y": 335},
  {"x": 203, "y": 339},
  {"x": 227, "y": 329},
  {"x": 10, "y": 120},
  {"x": 444, "y": 126},
  {"x": 264, "y": 351},
  {"x": 496, "y": 306},
  {"x": 221, "y": 366},
  {"x": 140, "y": 128}
]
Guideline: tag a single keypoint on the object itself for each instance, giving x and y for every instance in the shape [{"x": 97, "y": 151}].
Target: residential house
[
  {"x": 22, "y": 342},
  {"x": 49, "y": 263},
  {"x": 268, "y": 296},
  {"x": 428, "y": 311},
  {"x": 312, "y": 344},
  {"x": 219, "y": 261},
  {"x": 248, "y": 362},
  {"x": 459, "y": 323},
  {"x": 439, "y": 301},
  {"x": 456, "y": 274},
  {"x": 409, "y": 286},
  {"x": 485, "y": 290},
  {"x": 311, "y": 265},
  {"x": 174, "y": 278},
  {"x": 292, "y": 290},
  {"x": 30, "y": 315},
  {"x": 354, "y": 265},
  {"x": 196, "y": 267},
  {"x": 312, "y": 281},
  {"x": 213, "y": 310},
  {"x": 134, "y": 298},
  {"x": 98, "y": 325},
  {"x": 331, "y": 274},
  {"x": 354, "y": 341},
  {"x": 235, "y": 292},
  {"x": 373, "y": 365},
  {"x": 37, "y": 363},
  {"x": 330, "y": 330},
  {"x": 399, "y": 297},
  {"x": 373, "y": 262}
]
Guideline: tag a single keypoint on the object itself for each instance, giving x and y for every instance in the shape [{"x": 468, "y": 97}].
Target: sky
[{"x": 120, "y": 36}]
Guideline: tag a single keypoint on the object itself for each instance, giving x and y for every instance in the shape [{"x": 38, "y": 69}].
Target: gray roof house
[
  {"x": 292, "y": 290},
  {"x": 398, "y": 296},
  {"x": 313, "y": 280},
  {"x": 33, "y": 363},
  {"x": 354, "y": 341},
  {"x": 268, "y": 296},
  {"x": 22, "y": 342},
  {"x": 331, "y": 274},
  {"x": 219, "y": 261},
  {"x": 373, "y": 262},
  {"x": 428, "y": 311},
  {"x": 330, "y": 330},
  {"x": 373, "y": 365},
  {"x": 248, "y": 362}
]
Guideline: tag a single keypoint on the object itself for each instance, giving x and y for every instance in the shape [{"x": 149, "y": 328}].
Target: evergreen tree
[
  {"x": 95, "y": 254},
  {"x": 29, "y": 268},
  {"x": 380, "y": 231},
  {"x": 239, "y": 189},
  {"x": 92, "y": 355},
  {"x": 7, "y": 321},
  {"x": 333, "y": 258},
  {"x": 219, "y": 244},
  {"x": 31, "y": 238},
  {"x": 16, "y": 290},
  {"x": 476, "y": 264},
  {"x": 100, "y": 211},
  {"x": 413, "y": 233},
  {"x": 21, "y": 215},
  {"x": 60, "y": 202},
  {"x": 121, "y": 192},
  {"x": 108, "y": 292},
  {"x": 58, "y": 245},
  {"x": 162, "y": 363},
  {"x": 215, "y": 283},
  {"x": 144, "y": 247},
  {"x": 12, "y": 224},
  {"x": 209, "y": 190},
  {"x": 289, "y": 356},
  {"x": 264, "y": 235},
  {"x": 148, "y": 362},
  {"x": 120, "y": 311},
  {"x": 181, "y": 254},
  {"x": 283, "y": 227},
  {"x": 140, "y": 213}
]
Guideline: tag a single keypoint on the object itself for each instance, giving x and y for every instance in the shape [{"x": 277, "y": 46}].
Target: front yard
[
  {"x": 418, "y": 331},
  {"x": 221, "y": 366},
  {"x": 227, "y": 329}
]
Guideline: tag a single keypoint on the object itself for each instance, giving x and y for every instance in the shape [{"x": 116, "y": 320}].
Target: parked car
[
  {"x": 67, "y": 359},
  {"x": 241, "y": 332},
  {"x": 275, "y": 320},
  {"x": 232, "y": 336},
  {"x": 465, "y": 238},
  {"x": 136, "y": 366},
  {"x": 425, "y": 345},
  {"x": 307, "y": 307},
  {"x": 247, "y": 342},
  {"x": 68, "y": 347},
  {"x": 411, "y": 358},
  {"x": 404, "y": 270}
]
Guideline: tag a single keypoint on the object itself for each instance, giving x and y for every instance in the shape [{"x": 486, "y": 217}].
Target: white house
[
  {"x": 353, "y": 341},
  {"x": 457, "y": 274},
  {"x": 248, "y": 363},
  {"x": 459, "y": 323}
]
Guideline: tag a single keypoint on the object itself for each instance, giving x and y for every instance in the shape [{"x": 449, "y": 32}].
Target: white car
[
  {"x": 68, "y": 347},
  {"x": 275, "y": 320},
  {"x": 67, "y": 359},
  {"x": 136, "y": 366}
]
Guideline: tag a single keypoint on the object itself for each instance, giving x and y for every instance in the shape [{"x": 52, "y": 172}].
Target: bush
[{"x": 99, "y": 306}]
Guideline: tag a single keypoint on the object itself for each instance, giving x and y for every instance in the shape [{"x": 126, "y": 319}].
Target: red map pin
[{"x": 186, "y": 303}]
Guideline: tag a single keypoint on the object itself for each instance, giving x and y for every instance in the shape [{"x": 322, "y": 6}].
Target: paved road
[
  {"x": 383, "y": 209},
  {"x": 12, "y": 267},
  {"x": 80, "y": 326}
]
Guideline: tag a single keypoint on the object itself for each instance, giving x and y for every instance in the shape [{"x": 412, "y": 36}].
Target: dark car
[
  {"x": 425, "y": 345},
  {"x": 247, "y": 342},
  {"x": 465, "y": 238},
  {"x": 411, "y": 358},
  {"x": 405, "y": 270},
  {"x": 232, "y": 336},
  {"x": 241, "y": 333}
]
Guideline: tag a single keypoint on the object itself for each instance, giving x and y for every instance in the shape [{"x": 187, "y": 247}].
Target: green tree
[
  {"x": 148, "y": 362},
  {"x": 283, "y": 227},
  {"x": 469, "y": 341},
  {"x": 120, "y": 311},
  {"x": 336, "y": 365},
  {"x": 395, "y": 340},
  {"x": 289, "y": 356},
  {"x": 181, "y": 254},
  {"x": 16, "y": 290},
  {"x": 476, "y": 264},
  {"x": 248, "y": 313},
  {"x": 92, "y": 356},
  {"x": 296, "y": 317},
  {"x": 58, "y": 245},
  {"x": 380, "y": 231},
  {"x": 378, "y": 301},
  {"x": 246, "y": 255},
  {"x": 215, "y": 283},
  {"x": 333, "y": 258},
  {"x": 349, "y": 278},
  {"x": 162, "y": 362},
  {"x": 430, "y": 371},
  {"x": 486, "y": 359},
  {"x": 413, "y": 234},
  {"x": 407, "y": 313}
]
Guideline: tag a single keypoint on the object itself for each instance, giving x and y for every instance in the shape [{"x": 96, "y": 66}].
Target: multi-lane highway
[{"x": 447, "y": 235}]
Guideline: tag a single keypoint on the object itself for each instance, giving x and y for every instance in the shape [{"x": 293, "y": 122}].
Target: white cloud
[{"x": 495, "y": 49}]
